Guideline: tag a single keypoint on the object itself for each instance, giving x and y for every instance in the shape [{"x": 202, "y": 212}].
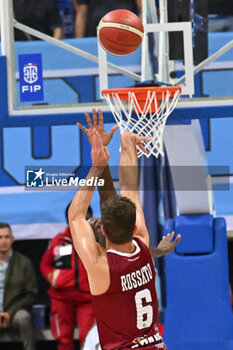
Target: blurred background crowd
[{"x": 79, "y": 18}]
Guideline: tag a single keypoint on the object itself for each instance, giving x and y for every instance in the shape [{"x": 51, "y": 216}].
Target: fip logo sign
[{"x": 30, "y": 78}]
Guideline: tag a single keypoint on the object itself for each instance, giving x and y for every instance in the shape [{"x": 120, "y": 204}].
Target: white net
[{"x": 144, "y": 122}]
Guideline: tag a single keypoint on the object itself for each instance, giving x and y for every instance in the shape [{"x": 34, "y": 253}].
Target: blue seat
[{"x": 198, "y": 314}]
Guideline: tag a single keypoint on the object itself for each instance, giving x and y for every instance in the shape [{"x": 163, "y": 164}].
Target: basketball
[{"x": 120, "y": 32}]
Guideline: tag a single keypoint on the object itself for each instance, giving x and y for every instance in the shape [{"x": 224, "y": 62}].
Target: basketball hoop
[{"x": 152, "y": 106}]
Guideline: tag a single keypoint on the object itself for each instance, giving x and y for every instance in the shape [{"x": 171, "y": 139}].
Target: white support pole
[
  {"x": 163, "y": 74},
  {"x": 7, "y": 38},
  {"x": 103, "y": 69},
  {"x": 149, "y": 15},
  {"x": 188, "y": 88},
  {"x": 145, "y": 49}
]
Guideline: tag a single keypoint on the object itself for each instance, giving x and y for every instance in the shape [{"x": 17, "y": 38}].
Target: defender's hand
[
  {"x": 106, "y": 137},
  {"x": 166, "y": 245}
]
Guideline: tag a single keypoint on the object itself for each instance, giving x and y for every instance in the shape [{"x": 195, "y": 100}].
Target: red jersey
[
  {"x": 127, "y": 312},
  {"x": 70, "y": 281}
]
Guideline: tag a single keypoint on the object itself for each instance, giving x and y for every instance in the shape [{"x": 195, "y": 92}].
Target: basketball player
[
  {"x": 122, "y": 276},
  {"x": 107, "y": 192}
]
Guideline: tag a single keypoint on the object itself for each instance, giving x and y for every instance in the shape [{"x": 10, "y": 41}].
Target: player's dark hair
[
  {"x": 89, "y": 212},
  {"x": 5, "y": 225},
  {"x": 118, "y": 219}
]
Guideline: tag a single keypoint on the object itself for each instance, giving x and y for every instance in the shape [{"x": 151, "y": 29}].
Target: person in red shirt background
[{"x": 69, "y": 290}]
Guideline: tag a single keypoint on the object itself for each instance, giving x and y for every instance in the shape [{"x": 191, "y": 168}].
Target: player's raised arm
[
  {"x": 83, "y": 237},
  {"x": 107, "y": 191},
  {"x": 128, "y": 176}
]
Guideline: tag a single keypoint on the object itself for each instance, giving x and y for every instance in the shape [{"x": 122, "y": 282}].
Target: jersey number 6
[{"x": 144, "y": 313}]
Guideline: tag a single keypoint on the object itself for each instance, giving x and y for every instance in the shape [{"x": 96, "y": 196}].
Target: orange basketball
[{"x": 120, "y": 32}]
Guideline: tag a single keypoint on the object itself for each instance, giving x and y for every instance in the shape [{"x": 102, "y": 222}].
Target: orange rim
[{"x": 141, "y": 93}]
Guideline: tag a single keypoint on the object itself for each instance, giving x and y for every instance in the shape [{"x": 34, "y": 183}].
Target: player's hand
[
  {"x": 166, "y": 246},
  {"x": 138, "y": 141},
  {"x": 99, "y": 153},
  {"x": 97, "y": 124}
]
